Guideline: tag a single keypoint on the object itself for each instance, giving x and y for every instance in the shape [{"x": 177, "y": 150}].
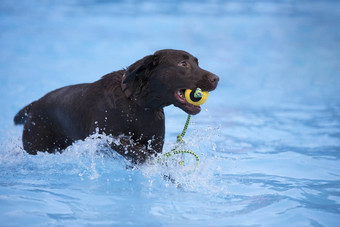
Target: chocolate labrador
[{"x": 126, "y": 104}]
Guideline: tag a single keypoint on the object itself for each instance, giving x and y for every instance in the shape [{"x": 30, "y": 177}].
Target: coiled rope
[{"x": 181, "y": 141}]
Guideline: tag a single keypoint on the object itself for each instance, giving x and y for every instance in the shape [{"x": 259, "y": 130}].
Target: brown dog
[{"x": 126, "y": 104}]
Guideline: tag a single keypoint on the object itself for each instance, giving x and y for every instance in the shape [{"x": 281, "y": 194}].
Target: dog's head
[{"x": 160, "y": 80}]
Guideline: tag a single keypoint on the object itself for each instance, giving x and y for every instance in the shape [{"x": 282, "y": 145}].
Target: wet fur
[{"x": 72, "y": 113}]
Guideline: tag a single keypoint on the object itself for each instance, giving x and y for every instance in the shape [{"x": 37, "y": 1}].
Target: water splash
[
  {"x": 192, "y": 176},
  {"x": 93, "y": 159}
]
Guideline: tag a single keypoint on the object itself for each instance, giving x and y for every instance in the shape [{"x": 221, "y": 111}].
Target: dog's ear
[{"x": 141, "y": 68}]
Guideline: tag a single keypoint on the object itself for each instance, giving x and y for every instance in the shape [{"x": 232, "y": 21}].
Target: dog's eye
[{"x": 183, "y": 63}]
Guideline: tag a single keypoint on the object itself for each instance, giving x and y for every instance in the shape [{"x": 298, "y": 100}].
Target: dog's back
[{"x": 56, "y": 120}]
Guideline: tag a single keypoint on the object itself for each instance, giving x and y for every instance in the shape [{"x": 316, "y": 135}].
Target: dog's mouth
[{"x": 184, "y": 105}]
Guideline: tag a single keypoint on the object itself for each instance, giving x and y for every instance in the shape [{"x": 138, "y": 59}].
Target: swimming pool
[{"x": 268, "y": 137}]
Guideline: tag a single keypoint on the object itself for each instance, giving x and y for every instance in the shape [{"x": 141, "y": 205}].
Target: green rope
[
  {"x": 181, "y": 141},
  {"x": 180, "y": 136}
]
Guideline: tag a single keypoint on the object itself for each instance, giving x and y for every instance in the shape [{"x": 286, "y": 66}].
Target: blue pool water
[{"x": 268, "y": 137}]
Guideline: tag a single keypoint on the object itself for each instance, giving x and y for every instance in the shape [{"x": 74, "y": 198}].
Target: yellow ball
[{"x": 197, "y": 97}]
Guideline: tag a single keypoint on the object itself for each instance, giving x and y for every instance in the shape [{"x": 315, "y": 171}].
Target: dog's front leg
[{"x": 135, "y": 151}]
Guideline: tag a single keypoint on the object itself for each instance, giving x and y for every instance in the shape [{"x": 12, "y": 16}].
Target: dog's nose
[{"x": 213, "y": 79}]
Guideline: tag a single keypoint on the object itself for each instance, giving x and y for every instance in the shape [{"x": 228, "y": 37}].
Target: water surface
[{"x": 268, "y": 137}]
